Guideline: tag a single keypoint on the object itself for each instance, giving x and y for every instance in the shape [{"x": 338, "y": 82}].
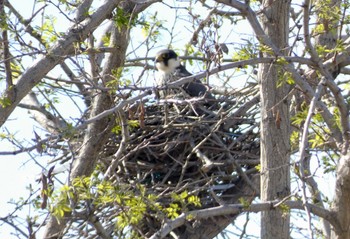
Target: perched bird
[{"x": 170, "y": 69}]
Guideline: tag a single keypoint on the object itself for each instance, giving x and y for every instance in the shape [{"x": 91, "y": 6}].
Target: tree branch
[
  {"x": 230, "y": 209},
  {"x": 5, "y": 46},
  {"x": 302, "y": 149},
  {"x": 299, "y": 80},
  {"x": 55, "y": 55}
]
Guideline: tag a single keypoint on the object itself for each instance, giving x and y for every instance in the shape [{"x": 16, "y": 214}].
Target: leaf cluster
[
  {"x": 129, "y": 203},
  {"x": 180, "y": 204}
]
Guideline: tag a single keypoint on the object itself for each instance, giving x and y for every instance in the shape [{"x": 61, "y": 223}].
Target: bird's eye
[{"x": 165, "y": 55}]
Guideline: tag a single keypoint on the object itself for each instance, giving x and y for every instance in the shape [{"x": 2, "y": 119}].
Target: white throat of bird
[{"x": 170, "y": 68}]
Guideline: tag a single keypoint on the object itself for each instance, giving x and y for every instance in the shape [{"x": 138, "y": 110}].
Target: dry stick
[
  {"x": 341, "y": 103},
  {"x": 55, "y": 55},
  {"x": 231, "y": 209},
  {"x": 238, "y": 168},
  {"x": 122, "y": 146},
  {"x": 303, "y": 145},
  {"x": 207, "y": 163},
  {"x": 100, "y": 229},
  {"x": 118, "y": 107},
  {"x": 306, "y": 24},
  {"x": 304, "y": 141},
  {"x": 299, "y": 80}
]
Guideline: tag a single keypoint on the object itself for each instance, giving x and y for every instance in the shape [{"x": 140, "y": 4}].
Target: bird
[{"x": 170, "y": 69}]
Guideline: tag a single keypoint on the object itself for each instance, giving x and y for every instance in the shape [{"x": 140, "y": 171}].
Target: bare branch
[
  {"x": 56, "y": 54},
  {"x": 5, "y": 46},
  {"x": 121, "y": 149},
  {"x": 264, "y": 39},
  {"x": 83, "y": 10},
  {"x": 230, "y": 210},
  {"x": 302, "y": 148}
]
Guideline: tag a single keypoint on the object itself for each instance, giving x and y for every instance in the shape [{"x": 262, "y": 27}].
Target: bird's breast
[{"x": 165, "y": 78}]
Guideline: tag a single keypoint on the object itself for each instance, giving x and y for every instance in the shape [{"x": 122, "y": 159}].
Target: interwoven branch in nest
[{"x": 185, "y": 144}]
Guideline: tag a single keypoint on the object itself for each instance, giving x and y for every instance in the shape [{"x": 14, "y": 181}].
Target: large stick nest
[{"x": 185, "y": 144}]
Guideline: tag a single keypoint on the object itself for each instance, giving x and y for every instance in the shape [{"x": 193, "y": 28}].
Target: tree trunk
[
  {"x": 275, "y": 131},
  {"x": 98, "y": 132},
  {"x": 341, "y": 203},
  {"x": 34, "y": 74},
  {"x": 329, "y": 39}
]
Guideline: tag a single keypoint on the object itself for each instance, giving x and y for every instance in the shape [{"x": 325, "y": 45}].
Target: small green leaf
[
  {"x": 266, "y": 49},
  {"x": 258, "y": 167},
  {"x": 194, "y": 200},
  {"x": 281, "y": 61},
  {"x": 172, "y": 210},
  {"x": 5, "y": 102},
  {"x": 284, "y": 208},
  {"x": 244, "y": 202}
]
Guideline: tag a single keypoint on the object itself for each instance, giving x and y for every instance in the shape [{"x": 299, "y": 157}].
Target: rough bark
[
  {"x": 97, "y": 133},
  {"x": 327, "y": 39},
  {"x": 55, "y": 55},
  {"x": 275, "y": 148},
  {"x": 341, "y": 202},
  {"x": 94, "y": 140},
  {"x": 274, "y": 126}
]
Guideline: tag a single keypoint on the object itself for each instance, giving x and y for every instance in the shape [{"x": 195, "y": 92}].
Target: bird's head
[{"x": 167, "y": 61}]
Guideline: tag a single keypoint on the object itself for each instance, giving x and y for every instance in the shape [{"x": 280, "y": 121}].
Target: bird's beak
[{"x": 158, "y": 58}]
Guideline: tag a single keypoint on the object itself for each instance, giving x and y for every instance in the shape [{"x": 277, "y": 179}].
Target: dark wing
[
  {"x": 181, "y": 72},
  {"x": 195, "y": 88}
]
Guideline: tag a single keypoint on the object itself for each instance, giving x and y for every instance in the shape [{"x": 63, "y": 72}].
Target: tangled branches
[
  {"x": 184, "y": 145},
  {"x": 163, "y": 150}
]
